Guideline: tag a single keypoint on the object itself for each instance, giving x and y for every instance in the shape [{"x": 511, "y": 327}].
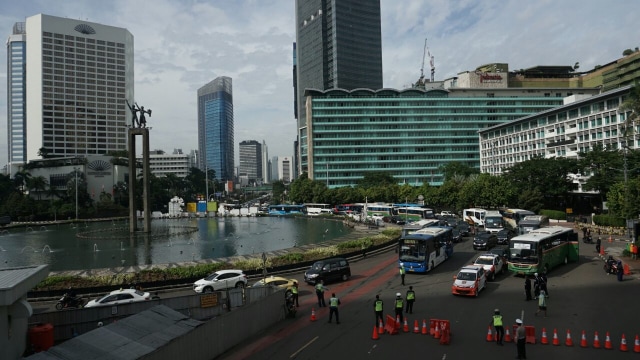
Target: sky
[{"x": 181, "y": 45}]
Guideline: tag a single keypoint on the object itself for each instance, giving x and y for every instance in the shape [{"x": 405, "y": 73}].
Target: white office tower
[{"x": 78, "y": 76}]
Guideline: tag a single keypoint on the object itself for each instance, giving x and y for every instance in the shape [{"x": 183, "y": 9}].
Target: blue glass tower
[
  {"x": 16, "y": 95},
  {"x": 215, "y": 128}
]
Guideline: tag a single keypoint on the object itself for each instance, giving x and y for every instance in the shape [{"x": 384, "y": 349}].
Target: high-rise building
[
  {"x": 266, "y": 169},
  {"x": 215, "y": 128},
  {"x": 284, "y": 168},
  {"x": 162, "y": 164},
  {"x": 250, "y": 160},
  {"x": 67, "y": 85},
  {"x": 338, "y": 46}
]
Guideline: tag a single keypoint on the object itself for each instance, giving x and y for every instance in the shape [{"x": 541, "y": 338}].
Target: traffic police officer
[
  {"x": 497, "y": 324},
  {"x": 399, "y": 307},
  {"x": 333, "y": 308},
  {"x": 402, "y": 271},
  {"x": 378, "y": 308},
  {"x": 411, "y": 298},
  {"x": 320, "y": 293},
  {"x": 294, "y": 292}
]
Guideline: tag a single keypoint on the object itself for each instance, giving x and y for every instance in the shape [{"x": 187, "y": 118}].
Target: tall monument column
[{"x": 139, "y": 128}]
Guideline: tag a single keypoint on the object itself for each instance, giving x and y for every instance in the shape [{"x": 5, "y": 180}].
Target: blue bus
[
  {"x": 424, "y": 249},
  {"x": 284, "y": 209}
]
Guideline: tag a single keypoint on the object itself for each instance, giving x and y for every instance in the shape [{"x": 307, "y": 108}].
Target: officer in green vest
[
  {"x": 399, "y": 307},
  {"x": 294, "y": 292},
  {"x": 402, "y": 271},
  {"x": 377, "y": 308},
  {"x": 320, "y": 293},
  {"x": 411, "y": 298},
  {"x": 333, "y": 308},
  {"x": 497, "y": 324}
]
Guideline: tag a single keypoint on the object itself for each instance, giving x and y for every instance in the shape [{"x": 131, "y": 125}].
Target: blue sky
[{"x": 182, "y": 45}]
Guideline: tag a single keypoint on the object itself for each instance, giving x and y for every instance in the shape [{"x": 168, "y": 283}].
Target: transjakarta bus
[
  {"x": 542, "y": 249},
  {"x": 474, "y": 216},
  {"x": 424, "y": 249},
  {"x": 418, "y": 225},
  {"x": 285, "y": 209},
  {"x": 378, "y": 210}
]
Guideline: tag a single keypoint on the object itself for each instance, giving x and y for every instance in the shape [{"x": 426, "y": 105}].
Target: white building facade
[
  {"x": 175, "y": 163},
  {"x": 563, "y": 131},
  {"x": 78, "y": 76}
]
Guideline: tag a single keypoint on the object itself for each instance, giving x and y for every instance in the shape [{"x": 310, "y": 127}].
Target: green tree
[
  {"x": 604, "y": 167},
  {"x": 39, "y": 184},
  {"x": 453, "y": 169},
  {"x": 44, "y": 153},
  {"x": 631, "y": 106}
]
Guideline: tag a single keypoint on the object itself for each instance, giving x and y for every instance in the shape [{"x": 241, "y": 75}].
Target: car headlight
[{"x": 312, "y": 276}]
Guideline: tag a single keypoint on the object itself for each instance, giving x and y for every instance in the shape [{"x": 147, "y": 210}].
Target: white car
[
  {"x": 446, "y": 213},
  {"x": 220, "y": 280},
  {"x": 492, "y": 264},
  {"x": 469, "y": 281},
  {"x": 122, "y": 296}
]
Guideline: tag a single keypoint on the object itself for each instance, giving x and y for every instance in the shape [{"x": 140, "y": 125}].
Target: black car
[
  {"x": 502, "y": 251},
  {"x": 457, "y": 235},
  {"x": 484, "y": 240},
  {"x": 463, "y": 227},
  {"x": 504, "y": 236},
  {"x": 399, "y": 220}
]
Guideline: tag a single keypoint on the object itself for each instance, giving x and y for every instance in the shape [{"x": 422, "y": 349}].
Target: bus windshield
[
  {"x": 523, "y": 251},
  {"x": 413, "y": 250}
]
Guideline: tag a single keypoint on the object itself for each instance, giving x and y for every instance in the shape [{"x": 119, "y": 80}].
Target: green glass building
[{"x": 409, "y": 133}]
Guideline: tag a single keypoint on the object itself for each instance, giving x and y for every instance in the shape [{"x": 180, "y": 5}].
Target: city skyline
[{"x": 178, "y": 48}]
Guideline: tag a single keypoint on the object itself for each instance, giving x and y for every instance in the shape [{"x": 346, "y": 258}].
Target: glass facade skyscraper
[
  {"x": 16, "y": 94},
  {"x": 215, "y": 128},
  {"x": 250, "y": 160},
  {"x": 338, "y": 46}
]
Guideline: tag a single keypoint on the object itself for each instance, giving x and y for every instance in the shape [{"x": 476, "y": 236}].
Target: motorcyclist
[{"x": 610, "y": 266}]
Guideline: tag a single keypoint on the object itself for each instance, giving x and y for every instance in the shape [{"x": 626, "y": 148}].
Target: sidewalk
[{"x": 615, "y": 246}]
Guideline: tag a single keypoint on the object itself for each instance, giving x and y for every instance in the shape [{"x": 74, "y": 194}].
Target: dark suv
[
  {"x": 484, "y": 240},
  {"x": 333, "y": 269}
]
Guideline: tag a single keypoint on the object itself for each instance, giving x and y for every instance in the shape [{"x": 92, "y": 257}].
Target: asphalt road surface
[{"x": 582, "y": 298}]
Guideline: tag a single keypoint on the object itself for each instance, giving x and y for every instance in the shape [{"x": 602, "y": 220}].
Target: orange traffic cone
[
  {"x": 544, "y": 340},
  {"x": 313, "y": 314},
  {"x": 424, "y": 327},
  {"x": 636, "y": 344},
  {"x": 610, "y": 238},
  {"x": 416, "y": 327},
  {"x": 405, "y": 326},
  {"x": 583, "y": 340},
  {"x": 380, "y": 328},
  {"x": 607, "y": 342},
  {"x": 623, "y": 344},
  {"x": 568, "y": 342},
  {"x": 375, "y": 334},
  {"x": 556, "y": 341},
  {"x": 489, "y": 335},
  {"x": 596, "y": 341},
  {"x": 507, "y": 336},
  {"x": 436, "y": 333}
]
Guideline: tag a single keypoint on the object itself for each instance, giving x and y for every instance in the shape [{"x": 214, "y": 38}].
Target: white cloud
[{"x": 182, "y": 45}]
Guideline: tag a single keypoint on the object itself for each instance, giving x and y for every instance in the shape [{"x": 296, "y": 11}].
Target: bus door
[{"x": 574, "y": 247}]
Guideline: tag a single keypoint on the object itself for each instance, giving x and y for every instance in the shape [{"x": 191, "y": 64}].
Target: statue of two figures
[{"x": 140, "y": 122}]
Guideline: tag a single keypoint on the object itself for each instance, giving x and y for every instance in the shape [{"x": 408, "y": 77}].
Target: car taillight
[{"x": 493, "y": 268}]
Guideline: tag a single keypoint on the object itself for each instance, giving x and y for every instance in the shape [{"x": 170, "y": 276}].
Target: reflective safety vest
[
  {"x": 399, "y": 304},
  {"x": 497, "y": 320},
  {"x": 402, "y": 270},
  {"x": 411, "y": 295},
  {"x": 333, "y": 302},
  {"x": 294, "y": 289},
  {"x": 378, "y": 305},
  {"x": 319, "y": 288}
]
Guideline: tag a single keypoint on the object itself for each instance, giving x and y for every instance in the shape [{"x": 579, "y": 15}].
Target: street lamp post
[{"x": 76, "y": 172}]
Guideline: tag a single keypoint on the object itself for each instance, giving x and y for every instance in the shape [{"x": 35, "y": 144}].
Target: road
[{"x": 582, "y": 298}]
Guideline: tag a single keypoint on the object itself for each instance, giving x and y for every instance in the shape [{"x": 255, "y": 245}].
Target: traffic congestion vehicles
[
  {"x": 474, "y": 216},
  {"x": 512, "y": 217},
  {"x": 493, "y": 221},
  {"x": 542, "y": 249},
  {"x": 426, "y": 248},
  {"x": 286, "y": 209}
]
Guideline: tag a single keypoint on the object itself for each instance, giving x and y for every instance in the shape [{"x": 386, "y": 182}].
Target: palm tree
[
  {"x": 39, "y": 184},
  {"x": 21, "y": 180}
]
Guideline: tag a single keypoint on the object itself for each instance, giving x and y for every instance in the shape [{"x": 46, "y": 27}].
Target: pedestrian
[
  {"x": 527, "y": 287},
  {"x": 598, "y": 243},
  {"x": 399, "y": 307},
  {"x": 496, "y": 321},
  {"x": 363, "y": 247},
  {"x": 521, "y": 339},
  {"x": 320, "y": 288},
  {"x": 620, "y": 270},
  {"x": 333, "y": 308},
  {"x": 536, "y": 285},
  {"x": 544, "y": 283},
  {"x": 411, "y": 298},
  {"x": 402, "y": 272},
  {"x": 294, "y": 292},
  {"x": 378, "y": 306},
  {"x": 542, "y": 303}
]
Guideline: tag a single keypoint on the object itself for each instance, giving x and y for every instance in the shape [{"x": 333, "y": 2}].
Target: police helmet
[{"x": 398, "y": 295}]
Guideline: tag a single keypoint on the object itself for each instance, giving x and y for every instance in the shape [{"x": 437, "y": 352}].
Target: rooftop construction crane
[{"x": 426, "y": 52}]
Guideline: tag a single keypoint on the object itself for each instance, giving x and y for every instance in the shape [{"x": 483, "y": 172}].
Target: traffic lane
[
  {"x": 287, "y": 337},
  {"x": 571, "y": 288}
]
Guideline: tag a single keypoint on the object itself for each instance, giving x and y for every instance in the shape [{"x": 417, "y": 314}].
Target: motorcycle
[
  {"x": 289, "y": 305},
  {"x": 611, "y": 267},
  {"x": 68, "y": 301},
  {"x": 587, "y": 239}
]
